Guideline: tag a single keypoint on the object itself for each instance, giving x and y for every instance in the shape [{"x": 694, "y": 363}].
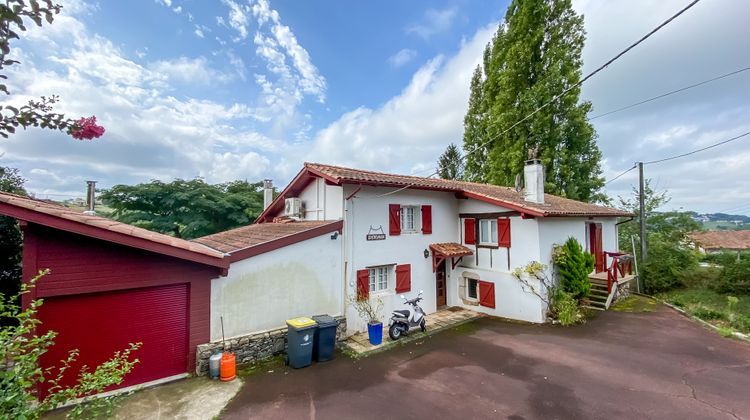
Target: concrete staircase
[{"x": 598, "y": 296}]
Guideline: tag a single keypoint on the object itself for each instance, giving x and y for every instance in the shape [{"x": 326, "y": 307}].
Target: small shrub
[
  {"x": 667, "y": 263},
  {"x": 708, "y": 314},
  {"x": 735, "y": 278},
  {"x": 741, "y": 323},
  {"x": 573, "y": 267},
  {"x": 565, "y": 308},
  {"x": 700, "y": 277}
]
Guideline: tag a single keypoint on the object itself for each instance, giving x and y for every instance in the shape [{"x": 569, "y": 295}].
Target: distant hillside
[{"x": 723, "y": 221}]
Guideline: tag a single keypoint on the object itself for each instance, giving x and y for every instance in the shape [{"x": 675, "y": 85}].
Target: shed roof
[
  {"x": 63, "y": 218},
  {"x": 502, "y": 196},
  {"x": 451, "y": 249},
  {"x": 722, "y": 239},
  {"x": 246, "y": 241}
]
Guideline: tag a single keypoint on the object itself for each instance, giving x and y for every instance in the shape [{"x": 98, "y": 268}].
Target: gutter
[{"x": 625, "y": 221}]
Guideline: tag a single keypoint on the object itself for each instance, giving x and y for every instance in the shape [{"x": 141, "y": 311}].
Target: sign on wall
[{"x": 375, "y": 234}]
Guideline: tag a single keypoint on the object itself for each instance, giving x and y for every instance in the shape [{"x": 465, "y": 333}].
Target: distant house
[{"x": 721, "y": 240}]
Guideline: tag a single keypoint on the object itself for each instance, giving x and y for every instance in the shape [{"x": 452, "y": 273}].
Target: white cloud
[
  {"x": 402, "y": 57},
  {"x": 237, "y": 18},
  {"x": 189, "y": 70},
  {"x": 433, "y": 22}
]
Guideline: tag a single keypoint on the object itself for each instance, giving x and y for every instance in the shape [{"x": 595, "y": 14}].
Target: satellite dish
[{"x": 518, "y": 182}]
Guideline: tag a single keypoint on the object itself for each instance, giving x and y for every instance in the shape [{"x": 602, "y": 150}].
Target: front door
[
  {"x": 595, "y": 246},
  {"x": 440, "y": 285}
]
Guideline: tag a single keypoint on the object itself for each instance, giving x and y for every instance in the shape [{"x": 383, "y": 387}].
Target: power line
[
  {"x": 580, "y": 82},
  {"x": 697, "y": 150},
  {"x": 670, "y": 93},
  {"x": 623, "y": 173}
]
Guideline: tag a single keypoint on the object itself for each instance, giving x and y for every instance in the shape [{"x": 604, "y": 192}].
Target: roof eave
[{"x": 253, "y": 250}]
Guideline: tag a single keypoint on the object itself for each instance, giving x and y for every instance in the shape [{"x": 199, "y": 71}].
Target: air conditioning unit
[{"x": 293, "y": 207}]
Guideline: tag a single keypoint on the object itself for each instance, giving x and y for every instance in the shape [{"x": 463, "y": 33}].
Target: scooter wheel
[
  {"x": 394, "y": 332},
  {"x": 423, "y": 326}
]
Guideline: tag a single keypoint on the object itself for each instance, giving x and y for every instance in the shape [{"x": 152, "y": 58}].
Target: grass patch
[
  {"x": 712, "y": 307},
  {"x": 635, "y": 304},
  {"x": 261, "y": 366}
]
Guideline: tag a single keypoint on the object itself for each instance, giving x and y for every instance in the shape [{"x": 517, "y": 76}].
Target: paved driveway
[{"x": 620, "y": 365}]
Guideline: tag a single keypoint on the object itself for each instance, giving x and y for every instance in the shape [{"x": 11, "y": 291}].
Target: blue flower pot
[{"x": 375, "y": 333}]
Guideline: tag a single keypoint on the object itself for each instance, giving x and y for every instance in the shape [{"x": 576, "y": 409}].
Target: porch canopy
[{"x": 448, "y": 250}]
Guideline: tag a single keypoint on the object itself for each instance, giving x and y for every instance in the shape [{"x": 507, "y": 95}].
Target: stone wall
[{"x": 253, "y": 347}]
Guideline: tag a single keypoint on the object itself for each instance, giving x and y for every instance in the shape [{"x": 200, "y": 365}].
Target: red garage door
[{"x": 100, "y": 324}]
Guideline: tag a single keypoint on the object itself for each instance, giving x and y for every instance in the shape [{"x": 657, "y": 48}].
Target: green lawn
[{"x": 712, "y": 307}]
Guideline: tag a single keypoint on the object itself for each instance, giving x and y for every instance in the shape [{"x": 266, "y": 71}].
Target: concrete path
[{"x": 620, "y": 365}]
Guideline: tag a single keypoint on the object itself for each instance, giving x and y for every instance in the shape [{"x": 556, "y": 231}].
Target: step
[{"x": 593, "y": 307}]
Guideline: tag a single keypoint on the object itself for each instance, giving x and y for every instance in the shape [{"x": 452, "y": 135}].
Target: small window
[
  {"x": 471, "y": 288},
  {"x": 379, "y": 279},
  {"x": 410, "y": 219},
  {"x": 488, "y": 232}
]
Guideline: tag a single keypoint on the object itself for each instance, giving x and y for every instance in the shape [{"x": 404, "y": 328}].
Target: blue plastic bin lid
[{"x": 325, "y": 320}]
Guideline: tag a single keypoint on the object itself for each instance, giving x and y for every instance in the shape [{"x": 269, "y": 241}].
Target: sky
[{"x": 251, "y": 89}]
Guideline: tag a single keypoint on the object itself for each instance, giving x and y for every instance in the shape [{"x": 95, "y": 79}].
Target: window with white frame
[
  {"x": 379, "y": 278},
  {"x": 488, "y": 232},
  {"x": 410, "y": 218}
]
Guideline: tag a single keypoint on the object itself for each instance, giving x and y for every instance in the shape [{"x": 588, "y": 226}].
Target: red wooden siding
[
  {"x": 403, "y": 278},
  {"x": 503, "y": 233},
  {"x": 363, "y": 284},
  {"x": 81, "y": 265},
  {"x": 426, "y": 219},
  {"x": 486, "y": 294},
  {"x": 394, "y": 219},
  {"x": 470, "y": 232},
  {"x": 101, "y": 323}
]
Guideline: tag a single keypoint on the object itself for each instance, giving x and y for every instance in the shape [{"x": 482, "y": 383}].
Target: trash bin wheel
[{"x": 286, "y": 360}]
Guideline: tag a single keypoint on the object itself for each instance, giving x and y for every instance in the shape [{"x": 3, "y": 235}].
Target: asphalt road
[{"x": 619, "y": 365}]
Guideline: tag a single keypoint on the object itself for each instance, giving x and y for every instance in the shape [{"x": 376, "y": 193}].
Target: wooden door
[
  {"x": 595, "y": 246},
  {"x": 440, "y": 285}
]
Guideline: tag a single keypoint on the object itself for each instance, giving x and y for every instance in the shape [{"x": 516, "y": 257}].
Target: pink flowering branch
[
  {"x": 86, "y": 129},
  {"x": 39, "y": 114}
]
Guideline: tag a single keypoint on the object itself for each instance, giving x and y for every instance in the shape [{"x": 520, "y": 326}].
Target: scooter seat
[{"x": 402, "y": 312}]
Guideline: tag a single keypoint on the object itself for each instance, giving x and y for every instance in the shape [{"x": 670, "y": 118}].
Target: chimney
[
  {"x": 267, "y": 193},
  {"x": 90, "y": 198},
  {"x": 533, "y": 174}
]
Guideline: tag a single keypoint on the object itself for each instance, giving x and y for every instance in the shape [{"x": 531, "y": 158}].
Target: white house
[{"x": 458, "y": 241}]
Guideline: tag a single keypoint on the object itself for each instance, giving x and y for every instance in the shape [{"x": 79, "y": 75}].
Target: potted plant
[{"x": 369, "y": 309}]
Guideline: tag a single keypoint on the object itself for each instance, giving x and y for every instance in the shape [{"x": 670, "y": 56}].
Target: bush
[
  {"x": 708, "y": 314},
  {"x": 735, "y": 278},
  {"x": 565, "y": 308},
  {"x": 700, "y": 277},
  {"x": 741, "y": 323},
  {"x": 574, "y": 266},
  {"x": 667, "y": 265}
]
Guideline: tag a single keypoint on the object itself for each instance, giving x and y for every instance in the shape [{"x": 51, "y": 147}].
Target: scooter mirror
[
  {"x": 403, "y": 297},
  {"x": 421, "y": 291}
]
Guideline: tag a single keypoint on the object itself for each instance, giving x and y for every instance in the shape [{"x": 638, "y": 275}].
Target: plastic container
[
  {"x": 227, "y": 369},
  {"x": 324, "y": 346},
  {"x": 300, "y": 335},
  {"x": 375, "y": 333},
  {"x": 214, "y": 365}
]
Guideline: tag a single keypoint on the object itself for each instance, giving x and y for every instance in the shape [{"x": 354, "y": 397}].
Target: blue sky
[{"x": 252, "y": 88}]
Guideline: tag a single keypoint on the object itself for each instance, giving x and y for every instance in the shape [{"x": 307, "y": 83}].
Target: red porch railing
[{"x": 622, "y": 265}]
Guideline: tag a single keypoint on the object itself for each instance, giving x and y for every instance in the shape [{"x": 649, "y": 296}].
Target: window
[
  {"x": 488, "y": 232},
  {"x": 409, "y": 219},
  {"x": 379, "y": 279},
  {"x": 471, "y": 288}
]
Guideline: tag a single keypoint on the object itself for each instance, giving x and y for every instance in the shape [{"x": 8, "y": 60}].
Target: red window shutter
[
  {"x": 394, "y": 219},
  {"x": 427, "y": 219},
  {"x": 486, "y": 294},
  {"x": 503, "y": 233},
  {"x": 470, "y": 232},
  {"x": 403, "y": 278},
  {"x": 363, "y": 284}
]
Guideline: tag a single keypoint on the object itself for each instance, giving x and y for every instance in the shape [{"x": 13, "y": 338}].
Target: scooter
[{"x": 403, "y": 320}]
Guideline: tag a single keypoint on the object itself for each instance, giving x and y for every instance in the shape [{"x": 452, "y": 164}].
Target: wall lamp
[
  {"x": 334, "y": 236},
  {"x": 426, "y": 253}
]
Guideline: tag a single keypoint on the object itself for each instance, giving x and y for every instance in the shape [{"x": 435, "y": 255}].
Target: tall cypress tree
[
  {"x": 534, "y": 56},
  {"x": 450, "y": 164}
]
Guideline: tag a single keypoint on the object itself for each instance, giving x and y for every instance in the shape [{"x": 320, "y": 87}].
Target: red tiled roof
[
  {"x": 722, "y": 239},
  {"x": 57, "y": 216},
  {"x": 502, "y": 196},
  {"x": 450, "y": 249},
  {"x": 235, "y": 240}
]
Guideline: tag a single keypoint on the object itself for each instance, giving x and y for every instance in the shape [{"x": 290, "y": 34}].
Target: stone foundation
[
  {"x": 623, "y": 291},
  {"x": 254, "y": 347}
]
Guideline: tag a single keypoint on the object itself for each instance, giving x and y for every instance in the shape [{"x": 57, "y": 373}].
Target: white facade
[{"x": 263, "y": 291}]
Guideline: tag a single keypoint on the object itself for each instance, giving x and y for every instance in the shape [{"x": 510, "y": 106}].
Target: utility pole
[{"x": 642, "y": 219}]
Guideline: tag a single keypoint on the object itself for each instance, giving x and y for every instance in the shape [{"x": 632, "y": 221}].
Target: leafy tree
[
  {"x": 573, "y": 266},
  {"x": 36, "y": 113},
  {"x": 450, "y": 165},
  {"x": 20, "y": 375},
  {"x": 534, "y": 56},
  {"x": 186, "y": 208},
  {"x": 10, "y": 236}
]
